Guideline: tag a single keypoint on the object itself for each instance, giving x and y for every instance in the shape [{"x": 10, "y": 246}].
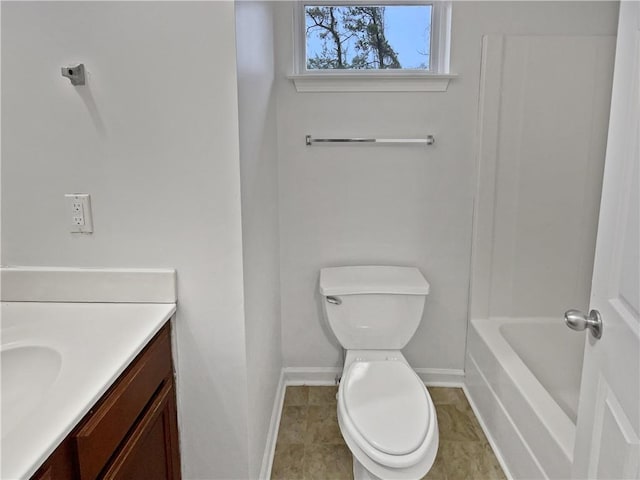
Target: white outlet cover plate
[{"x": 79, "y": 221}]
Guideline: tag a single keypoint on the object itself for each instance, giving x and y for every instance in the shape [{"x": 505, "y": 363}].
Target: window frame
[{"x": 439, "y": 43}]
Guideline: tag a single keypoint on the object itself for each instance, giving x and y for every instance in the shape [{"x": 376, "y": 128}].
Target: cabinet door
[{"x": 151, "y": 452}]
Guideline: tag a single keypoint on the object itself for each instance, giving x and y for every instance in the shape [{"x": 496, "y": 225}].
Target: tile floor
[{"x": 310, "y": 446}]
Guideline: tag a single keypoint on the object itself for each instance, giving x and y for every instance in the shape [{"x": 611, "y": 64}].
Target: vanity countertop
[{"x": 58, "y": 359}]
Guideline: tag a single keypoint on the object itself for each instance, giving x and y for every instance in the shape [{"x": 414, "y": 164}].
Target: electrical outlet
[{"x": 79, "y": 207}]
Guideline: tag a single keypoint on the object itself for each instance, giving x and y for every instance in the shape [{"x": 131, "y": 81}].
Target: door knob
[{"x": 577, "y": 320}]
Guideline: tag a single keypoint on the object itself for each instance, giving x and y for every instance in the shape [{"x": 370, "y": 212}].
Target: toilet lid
[{"x": 388, "y": 405}]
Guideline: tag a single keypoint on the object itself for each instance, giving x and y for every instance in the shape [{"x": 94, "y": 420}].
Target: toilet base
[{"x": 361, "y": 473}]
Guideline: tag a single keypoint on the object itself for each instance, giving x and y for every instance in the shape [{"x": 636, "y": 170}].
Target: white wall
[
  {"x": 153, "y": 138},
  {"x": 394, "y": 205},
  {"x": 260, "y": 233}
]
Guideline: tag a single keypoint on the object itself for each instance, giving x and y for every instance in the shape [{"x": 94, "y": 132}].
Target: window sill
[{"x": 372, "y": 82}]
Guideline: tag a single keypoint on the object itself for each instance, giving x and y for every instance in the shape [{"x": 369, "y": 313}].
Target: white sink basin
[{"x": 28, "y": 373}]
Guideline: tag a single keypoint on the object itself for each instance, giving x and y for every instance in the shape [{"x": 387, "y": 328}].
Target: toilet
[{"x": 385, "y": 412}]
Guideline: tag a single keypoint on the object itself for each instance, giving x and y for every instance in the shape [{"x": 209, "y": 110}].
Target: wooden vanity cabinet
[{"x": 131, "y": 433}]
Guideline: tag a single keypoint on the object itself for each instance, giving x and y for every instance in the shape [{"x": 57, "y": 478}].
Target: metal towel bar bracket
[{"x": 428, "y": 140}]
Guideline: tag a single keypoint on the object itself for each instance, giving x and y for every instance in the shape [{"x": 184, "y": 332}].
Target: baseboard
[
  {"x": 311, "y": 375},
  {"x": 272, "y": 436},
  {"x": 441, "y": 377},
  {"x": 434, "y": 377}
]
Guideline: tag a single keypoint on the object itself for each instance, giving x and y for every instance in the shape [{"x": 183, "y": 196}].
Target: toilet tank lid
[{"x": 372, "y": 280}]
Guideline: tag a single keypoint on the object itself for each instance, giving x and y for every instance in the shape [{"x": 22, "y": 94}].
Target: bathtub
[{"x": 523, "y": 379}]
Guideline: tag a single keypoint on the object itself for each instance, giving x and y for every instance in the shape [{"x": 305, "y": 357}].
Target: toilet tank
[{"x": 373, "y": 307}]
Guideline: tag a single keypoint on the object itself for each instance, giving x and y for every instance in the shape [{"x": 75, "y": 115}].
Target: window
[
  {"x": 368, "y": 37},
  {"x": 356, "y": 46}
]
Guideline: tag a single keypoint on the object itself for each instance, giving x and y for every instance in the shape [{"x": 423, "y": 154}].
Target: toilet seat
[
  {"x": 386, "y": 410},
  {"x": 388, "y": 405}
]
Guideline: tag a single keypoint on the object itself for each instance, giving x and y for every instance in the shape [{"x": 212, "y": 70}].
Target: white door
[{"x": 608, "y": 429}]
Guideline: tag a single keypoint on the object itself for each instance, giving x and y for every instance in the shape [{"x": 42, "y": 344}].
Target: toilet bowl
[{"x": 385, "y": 413}]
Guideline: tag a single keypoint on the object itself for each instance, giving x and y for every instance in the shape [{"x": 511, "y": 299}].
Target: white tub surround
[
  {"x": 59, "y": 358},
  {"x": 527, "y": 399}
]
